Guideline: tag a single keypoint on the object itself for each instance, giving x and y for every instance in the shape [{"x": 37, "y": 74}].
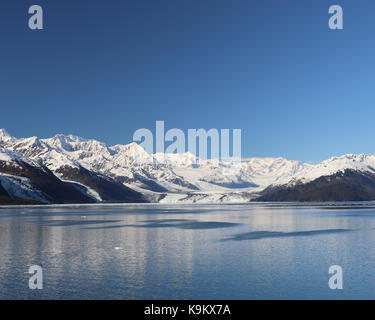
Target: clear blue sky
[{"x": 102, "y": 69}]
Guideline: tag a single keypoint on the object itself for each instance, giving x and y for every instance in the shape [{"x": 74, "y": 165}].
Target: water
[{"x": 253, "y": 251}]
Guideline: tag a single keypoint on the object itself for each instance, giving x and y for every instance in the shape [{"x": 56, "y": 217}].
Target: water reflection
[
  {"x": 178, "y": 252},
  {"x": 174, "y": 223},
  {"x": 272, "y": 234},
  {"x": 66, "y": 223}
]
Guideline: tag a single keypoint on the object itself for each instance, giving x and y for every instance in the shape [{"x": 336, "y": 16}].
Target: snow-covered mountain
[{"x": 127, "y": 173}]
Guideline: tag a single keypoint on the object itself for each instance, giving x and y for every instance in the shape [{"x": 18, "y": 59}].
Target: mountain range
[{"x": 69, "y": 169}]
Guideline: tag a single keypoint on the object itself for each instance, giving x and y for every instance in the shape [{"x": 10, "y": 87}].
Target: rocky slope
[{"x": 70, "y": 169}]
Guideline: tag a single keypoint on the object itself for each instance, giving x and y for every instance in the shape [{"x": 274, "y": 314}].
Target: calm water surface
[{"x": 254, "y": 251}]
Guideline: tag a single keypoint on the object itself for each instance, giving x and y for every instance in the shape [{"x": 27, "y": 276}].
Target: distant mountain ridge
[{"x": 70, "y": 169}]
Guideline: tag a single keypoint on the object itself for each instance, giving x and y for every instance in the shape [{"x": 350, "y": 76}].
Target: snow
[
  {"x": 22, "y": 188},
  {"x": 15, "y": 158},
  {"x": 360, "y": 162},
  {"x": 5, "y": 155},
  {"x": 173, "y": 198},
  {"x": 209, "y": 197},
  {"x": 5, "y": 137},
  {"x": 187, "y": 177},
  {"x": 86, "y": 190}
]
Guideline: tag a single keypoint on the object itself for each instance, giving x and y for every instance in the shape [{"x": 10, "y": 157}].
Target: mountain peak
[
  {"x": 67, "y": 137},
  {"x": 5, "y": 136},
  {"x": 133, "y": 146},
  {"x": 3, "y": 132}
]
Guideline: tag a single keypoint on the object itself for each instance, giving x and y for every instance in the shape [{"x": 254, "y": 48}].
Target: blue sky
[{"x": 103, "y": 69}]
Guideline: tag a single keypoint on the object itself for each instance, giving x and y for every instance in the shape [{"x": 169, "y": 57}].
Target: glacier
[{"x": 164, "y": 178}]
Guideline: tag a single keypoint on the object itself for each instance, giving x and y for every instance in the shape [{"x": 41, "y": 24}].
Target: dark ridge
[
  {"x": 7, "y": 201},
  {"x": 349, "y": 185},
  {"x": 108, "y": 189},
  {"x": 3, "y": 192},
  {"x": 42, "y": 178}
]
